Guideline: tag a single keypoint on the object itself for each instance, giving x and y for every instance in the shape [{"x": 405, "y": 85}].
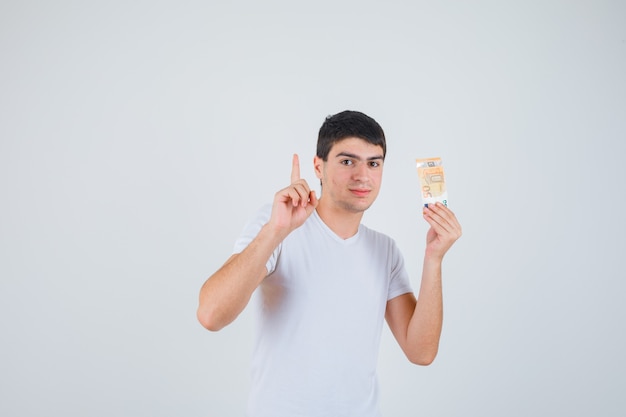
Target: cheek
[{"x": 343, "y": 177}]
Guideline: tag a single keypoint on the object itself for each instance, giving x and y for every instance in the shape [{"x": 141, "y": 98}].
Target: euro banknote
[{"x": 432, "y": 181}]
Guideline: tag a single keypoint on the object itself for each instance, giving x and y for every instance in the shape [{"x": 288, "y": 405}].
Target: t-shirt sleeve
[
  {"x": 400, "y": 283},
  {"x": 251, "y": 230}
]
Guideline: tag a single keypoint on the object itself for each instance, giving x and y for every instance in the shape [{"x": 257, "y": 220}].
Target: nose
[{"x": 360, "y": 172}]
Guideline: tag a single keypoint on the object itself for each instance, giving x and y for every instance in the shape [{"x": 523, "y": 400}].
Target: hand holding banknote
[
  {"x": 444, "y": 227},
  {"x": 444, "y": 230}
]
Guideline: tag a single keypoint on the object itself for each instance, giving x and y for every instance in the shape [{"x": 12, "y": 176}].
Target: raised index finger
[{"x": 295, "y": 168}]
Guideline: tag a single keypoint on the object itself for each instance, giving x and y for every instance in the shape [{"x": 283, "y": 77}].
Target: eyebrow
[{"x": 353, "y": 156}]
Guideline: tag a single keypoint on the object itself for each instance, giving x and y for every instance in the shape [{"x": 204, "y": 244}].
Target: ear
[{"x": 318, "y": 165}]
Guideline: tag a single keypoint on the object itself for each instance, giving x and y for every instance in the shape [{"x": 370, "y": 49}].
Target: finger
[
  {"x": 295, "y": 168},
  {"x": 447, "y": 214},
  {"x": 290, "y": 193},
  {"x": 312, "y": 203},
  {"x": 299, "y": 192},
  {"x": 294, "y": 196},
  {"x": 301, "y": 195},
  {"x": 313, "y": 199},
  {"x": 436, "y": 218},
  {"x": 442, "y": 219},
  {"x": 432, "y": 221},
  {"x": 442, "y": 211}
]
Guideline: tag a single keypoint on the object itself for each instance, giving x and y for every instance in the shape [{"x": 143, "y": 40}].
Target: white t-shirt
[{"x": 322, "y": 309}]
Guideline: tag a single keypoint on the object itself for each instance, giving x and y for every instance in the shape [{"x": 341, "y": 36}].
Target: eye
[
  {"x": 374, "y": 164},
  {"x": 346, "y": 162}
]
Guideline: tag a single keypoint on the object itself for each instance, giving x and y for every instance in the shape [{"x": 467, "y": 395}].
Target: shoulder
[
  {"x": 265, "y": 210},
  {"x": 382, "y": 248},
  {"x": 371, "y": 233},
  {"x": 252, "y": 226},
  {"x": 378, "y": 238},
  {"x": 261, "y": 215}
]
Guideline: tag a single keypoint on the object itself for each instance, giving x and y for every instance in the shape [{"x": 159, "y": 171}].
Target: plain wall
[{"x": 136, "y": 138}]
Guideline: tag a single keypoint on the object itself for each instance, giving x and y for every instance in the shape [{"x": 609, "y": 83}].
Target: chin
[{"x": 359, "y": 207}]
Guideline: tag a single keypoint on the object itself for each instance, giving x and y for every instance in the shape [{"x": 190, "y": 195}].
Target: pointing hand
[{"x": 293, "y": 204}]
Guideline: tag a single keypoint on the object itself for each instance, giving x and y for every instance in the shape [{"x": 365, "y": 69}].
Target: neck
[{"x": 342, "y": 222}]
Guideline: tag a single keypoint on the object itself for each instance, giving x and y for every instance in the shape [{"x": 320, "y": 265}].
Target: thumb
[{"x": 313, "y": 202}]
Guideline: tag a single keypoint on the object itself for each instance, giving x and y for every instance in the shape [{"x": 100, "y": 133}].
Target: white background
[{"x": 138, "y": 137}]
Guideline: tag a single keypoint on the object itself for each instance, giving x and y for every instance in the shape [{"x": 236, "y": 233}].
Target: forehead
[{"x": 356, "y": 146}]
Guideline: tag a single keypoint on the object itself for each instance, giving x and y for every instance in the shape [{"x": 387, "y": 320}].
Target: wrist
[
  {"x": 433, "y": 259},
  {"x": 273, "y": 233}
]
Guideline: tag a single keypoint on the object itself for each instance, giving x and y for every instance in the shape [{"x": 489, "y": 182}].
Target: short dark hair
[{"x": 347, "y": 124}]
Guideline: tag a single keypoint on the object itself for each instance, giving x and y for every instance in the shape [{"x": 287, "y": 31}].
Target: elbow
[
  {"x": 208, "y": 318},
  {"x": 422, "y": 358},
  {"x": 422, "y": 361}
]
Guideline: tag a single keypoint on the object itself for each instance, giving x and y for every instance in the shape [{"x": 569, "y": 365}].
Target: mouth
[{"x": 360, "y": 192}]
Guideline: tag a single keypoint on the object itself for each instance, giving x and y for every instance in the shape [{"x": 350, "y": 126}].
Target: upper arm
[{"x": 398, "y": 314}]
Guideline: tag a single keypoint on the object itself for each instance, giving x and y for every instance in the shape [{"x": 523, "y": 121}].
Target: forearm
[
  {"x": 424, "y": 329},
  {"x": 227, "y": 292}
]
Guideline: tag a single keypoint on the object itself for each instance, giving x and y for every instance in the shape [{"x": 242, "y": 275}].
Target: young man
[{"x": 326, "y": 283}]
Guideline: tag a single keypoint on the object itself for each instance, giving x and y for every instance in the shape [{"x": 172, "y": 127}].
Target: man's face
[{"x": 352, "y": 174}]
